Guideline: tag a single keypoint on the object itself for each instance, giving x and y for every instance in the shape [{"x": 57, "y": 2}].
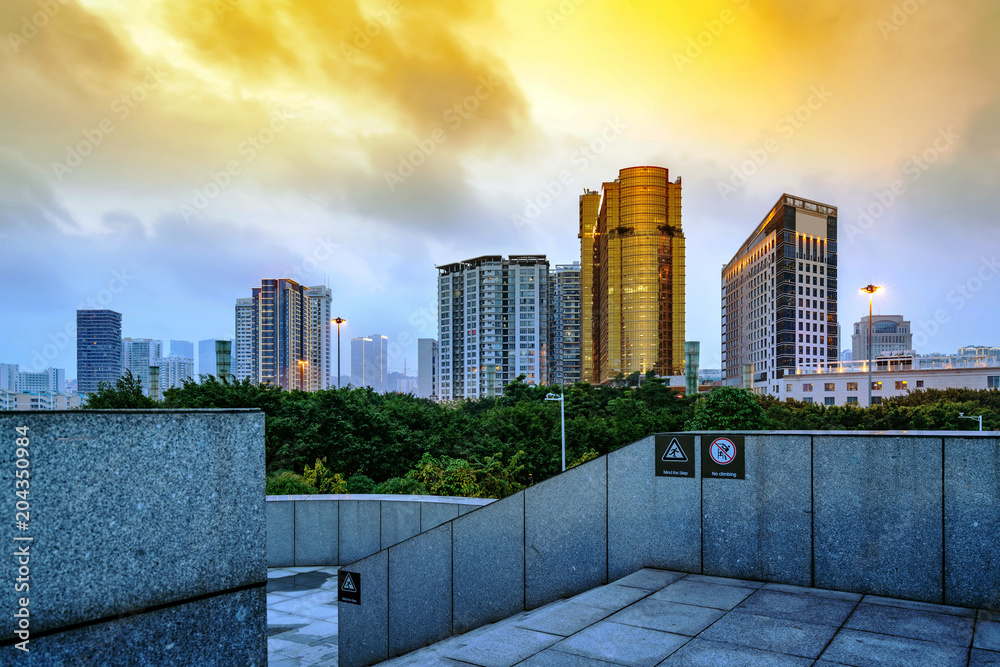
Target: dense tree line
[{"x": 359, "y": 441}]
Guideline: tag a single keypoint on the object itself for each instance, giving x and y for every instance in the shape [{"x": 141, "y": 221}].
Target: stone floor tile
[
  {"x": 981, "y": 658},
  {"x": 680, "y": 619},
  {"x": 920, "y": 606},
  {"x": 806, "y": 640},
  {"x": 704, "y": 653},
  {"x": 818, "y": 592},
  {"x": 552, "y": 658},
  {"x": 854, "y": 647},
  {"x": 326, "y": 611},
  {"x": 703, "y": 594},
  {"x": 563, "y": 619},
  {"x": 725, "y": 581},
  {"x": 612, "y": 596},
  {"x": 622, "y": 644},
  {"x": 279, "y": 573},
  {"x": 902, "y": 622},
  {"x": 650, "y": 579},
  {"x": 821, "y": 611},
  {"x": 987, "y": 635},
  {"x": 504, "y": 647}
]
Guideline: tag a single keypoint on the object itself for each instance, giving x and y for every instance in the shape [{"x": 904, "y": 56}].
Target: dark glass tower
[{"x": 98, "y": 348}]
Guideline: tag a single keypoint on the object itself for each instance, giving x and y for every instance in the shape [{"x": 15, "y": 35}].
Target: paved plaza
[{"x": 656, "y": 617}]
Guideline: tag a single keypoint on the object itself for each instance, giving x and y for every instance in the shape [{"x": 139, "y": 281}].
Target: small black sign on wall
[
  {"x": 348, "y": 587},
  {"x": 723, "y": 457},
  {"x": 674, "y": 456}
]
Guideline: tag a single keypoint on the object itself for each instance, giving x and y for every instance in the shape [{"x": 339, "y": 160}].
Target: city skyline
[{"x": 146, "y": 187}]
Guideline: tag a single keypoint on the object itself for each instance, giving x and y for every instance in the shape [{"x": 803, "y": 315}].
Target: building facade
[
  {"x": 890, "y": 333},
  {"x": 244, "y": 339},
  {"x": 893, "y": 375},
  {"x": 779, "y": 297},
  {"x": 370, "y": 362},
  {"x": 565, "y": 325},
  {"x": 492, "y": 324},
  {"x": 98, "y": 348},
  {"x": 319, "y": 346},
  {"x": 138, "y": 356},
  {"x": 636, "y": 256},
  {"x": 217, "y": 357},
  {"x": 279, "y": 338},
  {"x": 13, "y": 379},
  {"x": 174, "y": 369},
  {"x": 38, "y": 400},
  {"x": 182, "y": 348},
  {"x": 427, "y": 368}
]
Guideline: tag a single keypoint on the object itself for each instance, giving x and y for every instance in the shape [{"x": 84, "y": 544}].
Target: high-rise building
[
  {"x": 427, "y": 367},
  {"x": 635, "y": 252},
  {"x": 564, "y": 325},
  {"x": 590, "y": 210},
  {"x": 244, "y": 339},
  {"x": 779, "y": 297},
  {"x": 138, "y": 355},
  {"x": 370, "y": 362},
  {"x": 215, "y": 357},
  {"x": 182, "y": 348},
  {"x": 174, "y": 369},
  {"x": 280, "y": 313},
  {"x": 319, "y": 342},
  {"x": 492, "y": 324},
  {"x": 13, "y": 379},
  {"x": 8, "y": 376},
  {"x": 890, "y": 333},
  {"x": 98, "y": 348}
]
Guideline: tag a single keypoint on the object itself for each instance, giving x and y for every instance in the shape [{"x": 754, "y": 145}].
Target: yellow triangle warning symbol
[
  {"x": 348, "y": 584},
  {"x": 675, "y": 453}
]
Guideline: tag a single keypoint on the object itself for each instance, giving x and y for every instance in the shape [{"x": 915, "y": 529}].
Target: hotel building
[{"x": 779, "y": 297}]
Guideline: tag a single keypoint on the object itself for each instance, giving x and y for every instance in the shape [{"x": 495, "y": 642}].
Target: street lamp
[
  {"x": 962, "y": 415},
  {"x": 339, "y": 321},
  {"x": 870, "y": 291},
  {"x": 562, "y": 410}
]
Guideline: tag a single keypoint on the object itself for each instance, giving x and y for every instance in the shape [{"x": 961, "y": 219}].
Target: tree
[
  {"x": 126, "y": 394},
  {"x": 728, "y": 408},
  {"x": 287, "y": 483}
]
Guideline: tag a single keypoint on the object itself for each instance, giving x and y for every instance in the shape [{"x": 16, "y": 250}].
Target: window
[
  {"x": 807, "y": 399},
  {"x": 876, "y": 386},
  {"x": 920, "y": 384},
  {"x": 852, "y": 386},
  {"x": 830, "y": 386},
  {"x": 852, "y": 400},
  {"x": 992, "y": 382},
  {"x": 900, "y": 385},
  {"x": 789, "y": 388},
  {"x": 876, "y": 400},
  {"x": 807, "y": 386},
  {"x": 830, "y": 400}
]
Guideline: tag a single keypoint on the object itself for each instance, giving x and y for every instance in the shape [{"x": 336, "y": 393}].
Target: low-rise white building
[
  {"x": 892, "y": 376},
  {"x": 38, "y": 400}
]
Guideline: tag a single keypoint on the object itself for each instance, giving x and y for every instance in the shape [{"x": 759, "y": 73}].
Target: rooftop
[{"x": 658, "y": 617}]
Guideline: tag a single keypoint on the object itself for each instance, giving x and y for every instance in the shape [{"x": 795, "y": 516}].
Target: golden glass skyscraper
[{"x": 633, "y": 254}]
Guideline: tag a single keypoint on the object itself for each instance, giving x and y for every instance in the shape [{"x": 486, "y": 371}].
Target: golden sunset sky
[{"x": 201, "y": 145}]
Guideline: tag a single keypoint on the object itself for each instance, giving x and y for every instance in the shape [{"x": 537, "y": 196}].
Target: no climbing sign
[{"x": 722, "y": 457}]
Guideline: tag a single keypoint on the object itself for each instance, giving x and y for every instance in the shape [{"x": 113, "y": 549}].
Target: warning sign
[
  {"x": 674, "y": 456},
  {"x": 348, "y": 587},
  {"x": 723, "y": 457}
]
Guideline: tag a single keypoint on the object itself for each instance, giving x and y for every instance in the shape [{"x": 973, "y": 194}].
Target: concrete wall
[
  {"x": 908, "y": 515},
  {"x": 144, "y": 527},
  {"x": 306, "y": 531}
]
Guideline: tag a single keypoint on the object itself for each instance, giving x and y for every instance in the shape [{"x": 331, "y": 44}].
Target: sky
[{"x": 160, "y": 157}]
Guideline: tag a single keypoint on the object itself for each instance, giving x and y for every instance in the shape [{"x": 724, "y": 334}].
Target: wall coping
[
  {"x": 183, "y": 411},
  {"x": 449, "y": 500},
  {"x": 907, "y": 434}
]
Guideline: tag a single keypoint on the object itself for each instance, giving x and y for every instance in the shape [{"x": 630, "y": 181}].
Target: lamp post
[
  {"x": 962, "y": 415},
  {"x": 870, "y": 291},
  {"x": 339, "y": 321},
  {"x": 562, "y": 411}
]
